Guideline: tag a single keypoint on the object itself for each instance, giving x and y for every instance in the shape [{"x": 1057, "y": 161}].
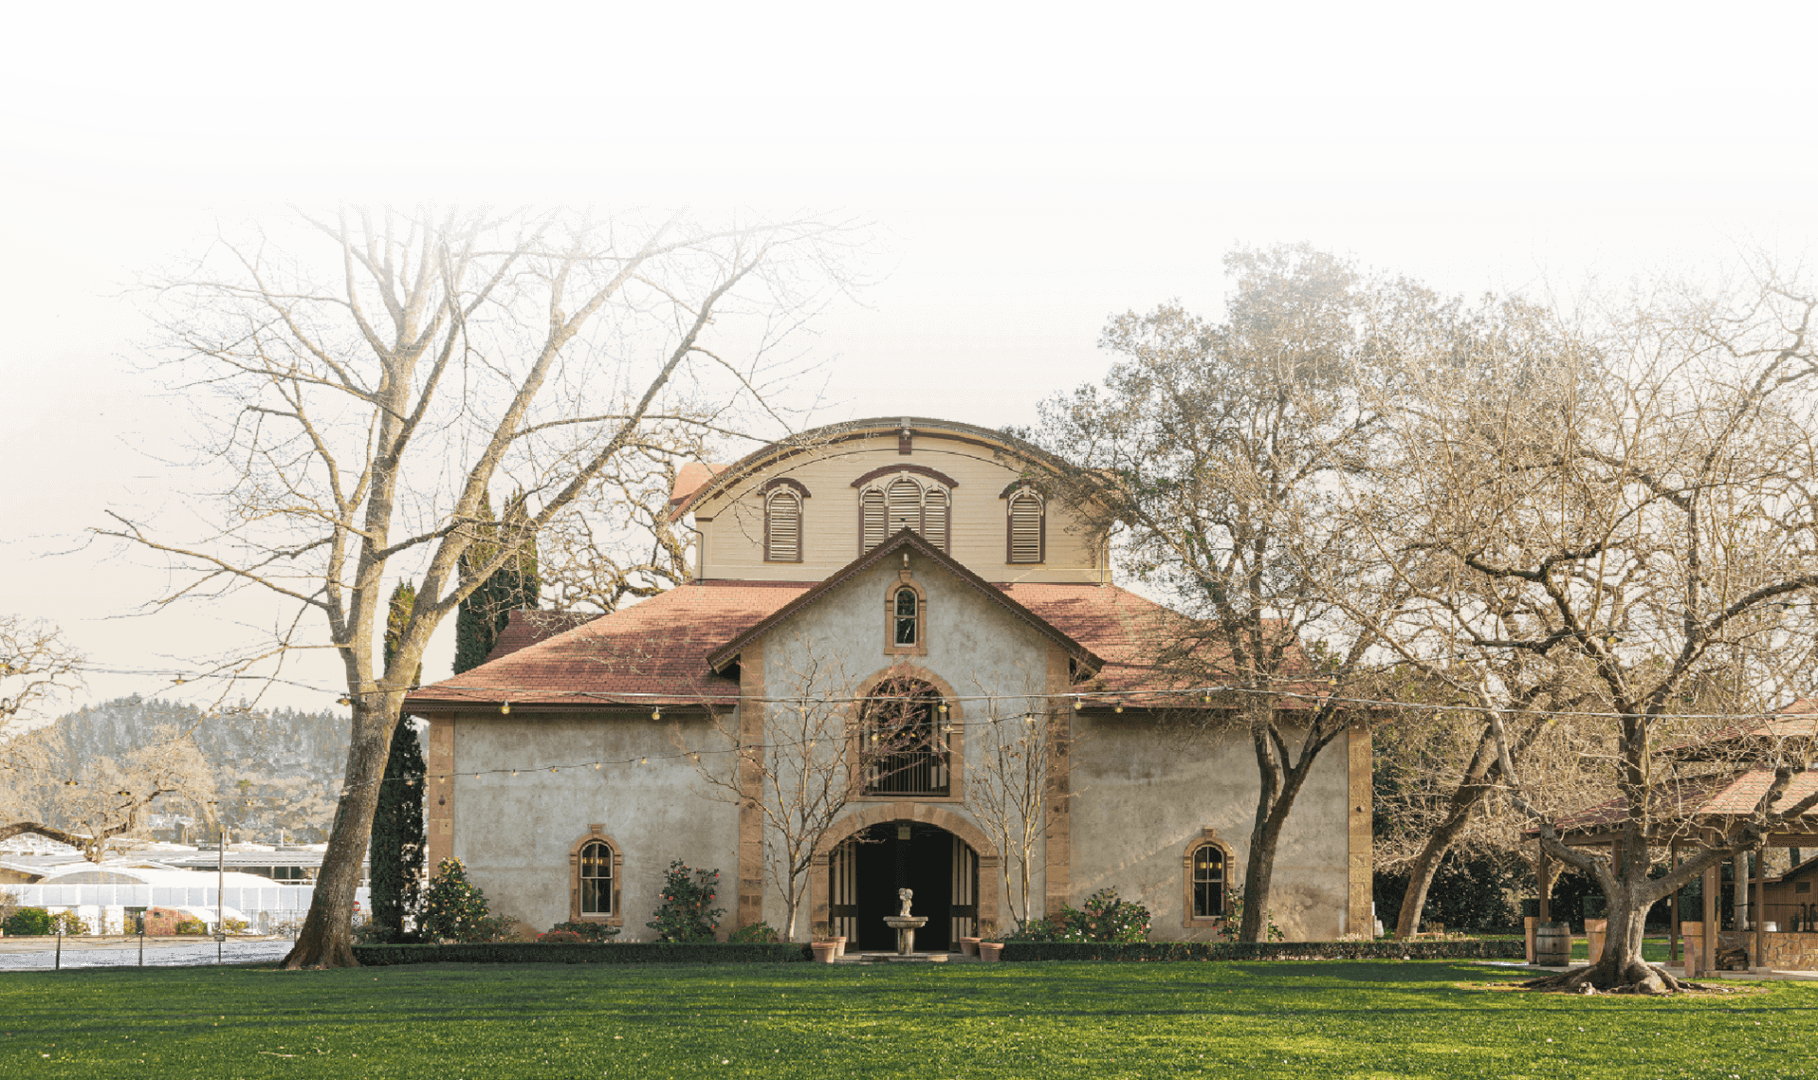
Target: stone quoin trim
[
  {"x": 596, "y": 834},
  {"x": 1208, "y": 838}
]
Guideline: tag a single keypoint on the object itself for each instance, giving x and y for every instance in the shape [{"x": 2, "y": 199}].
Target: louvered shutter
[
  {"x": 935, "y": 516},
  {"x": 1025, "y": 528},
  {"x": 905, "y": 502},
  {"x": 871, "y": 514},
  {"x": 783, "y": 528}
]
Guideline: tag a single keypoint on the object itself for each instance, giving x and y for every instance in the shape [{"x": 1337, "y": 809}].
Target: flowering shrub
[
  {"x": 586, "y": 931},
  {"x": 761, "y": 933},
  {"x": 454, "y": 909},
  {"x": 192, "y": 928},
  {"x": 684, "y": 914},
  {"x": 1104, "y": 918}
]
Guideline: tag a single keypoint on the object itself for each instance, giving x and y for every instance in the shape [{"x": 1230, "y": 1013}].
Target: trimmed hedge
[
  {"x": 1495, "y": 949},
  {"x": 627, "y": 952}
]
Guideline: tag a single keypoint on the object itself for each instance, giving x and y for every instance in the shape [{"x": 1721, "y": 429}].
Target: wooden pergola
[{"x": 1692, "y": 813}]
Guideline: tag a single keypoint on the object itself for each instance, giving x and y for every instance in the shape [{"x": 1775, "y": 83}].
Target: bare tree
[
  {"x": 36, "y": 667},
  {"x": 616, "y": 542},
  {"x": 1009, "y": 784},
  {"x": 1629, "y": 515},
  {"x": 88, "y": 803},
  {"x": 1215, "y": 446},
  {"x": 801, "y": 761},
  {"x": 359, "y": 421}
]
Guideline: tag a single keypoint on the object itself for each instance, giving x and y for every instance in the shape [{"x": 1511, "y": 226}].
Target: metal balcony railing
[{"x": 909, "y": 772}]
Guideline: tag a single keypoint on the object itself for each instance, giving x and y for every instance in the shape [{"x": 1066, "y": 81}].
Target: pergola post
[
  {"x": 1673, "y": 916},
  {"x": 1713, "y": 880},
  {"x": 1541, "y": 867}
]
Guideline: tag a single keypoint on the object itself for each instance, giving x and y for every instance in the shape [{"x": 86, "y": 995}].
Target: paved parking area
[{"x": 40, "y": 953}]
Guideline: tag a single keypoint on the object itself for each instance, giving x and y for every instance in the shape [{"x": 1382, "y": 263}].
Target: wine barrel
[{"x": 1553, "y": 945}]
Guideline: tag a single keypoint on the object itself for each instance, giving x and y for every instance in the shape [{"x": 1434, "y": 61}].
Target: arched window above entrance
[{"x": 903, "y": 740}]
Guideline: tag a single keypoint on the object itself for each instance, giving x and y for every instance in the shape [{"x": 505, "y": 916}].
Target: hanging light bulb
[
  {"x": 1078, "y": 704},
  {"x": 514, "y": 772},
  {"x": 344, "y": 700},
  {"x": 1120, "y": 707},
  {"x": 505, "y": 708},
  {"x": 942, "y": 706},
  {"x": 643, "y": 761},
  {"x": 596, "y": 766},
  {"x": 656, "y": 713},
  {"x": 552, "y": 768}
]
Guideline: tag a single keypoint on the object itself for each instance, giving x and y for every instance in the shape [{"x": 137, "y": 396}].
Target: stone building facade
[{"x": 891, "y": 604}]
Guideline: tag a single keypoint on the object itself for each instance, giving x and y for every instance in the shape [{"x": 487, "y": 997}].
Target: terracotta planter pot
[
  {"x": 839, "y": 945},
  {"x": 968, "y": 946},
  {"x": 990, "y": 951},
  {"x": 824, "y": 951}
]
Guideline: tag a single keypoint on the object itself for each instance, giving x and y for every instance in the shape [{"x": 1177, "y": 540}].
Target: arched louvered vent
[
  {"x": 1026, "y": 528},
  {"x": 935, "y": 518},
  {"x": 871, "y": 514},
  {"x": 905, "y": 501},
  {"x": 783, "y": 527}
]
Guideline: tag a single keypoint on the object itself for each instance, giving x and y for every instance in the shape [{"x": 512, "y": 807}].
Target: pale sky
[{"x": 1030, "y": 172}]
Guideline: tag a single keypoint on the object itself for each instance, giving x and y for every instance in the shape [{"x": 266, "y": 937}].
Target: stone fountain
[{"x": 905, "y": 924}]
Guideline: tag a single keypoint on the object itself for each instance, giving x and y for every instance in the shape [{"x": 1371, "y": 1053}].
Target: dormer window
[
  {"x": 1025, "y": 527},
  {"x": 911, "y": 498},
  {"x": 783, "y": 521}
]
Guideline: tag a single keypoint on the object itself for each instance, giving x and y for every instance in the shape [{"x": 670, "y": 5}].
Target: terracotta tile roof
[
  {"x": 526, "y": 626},
  {"x": 1679, "y": 800},
  {"x": 652, "y": 653},
  {"x": 1127, "y": 630},
  {"x": 1796, "y": 722},
  {"x": 691, "y": 478},
  {"x": 662, "y": 650}
]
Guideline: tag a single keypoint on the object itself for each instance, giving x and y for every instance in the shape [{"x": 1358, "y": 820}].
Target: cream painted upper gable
[{"x": 731, "y": 522}]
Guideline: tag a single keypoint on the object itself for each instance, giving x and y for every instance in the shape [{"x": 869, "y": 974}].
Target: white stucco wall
[
  {"x": 515, "y": 833},
  {"x": 1143, "y": 794}
]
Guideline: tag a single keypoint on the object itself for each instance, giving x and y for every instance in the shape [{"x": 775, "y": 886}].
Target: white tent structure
[{"x": 103, "y": 895}]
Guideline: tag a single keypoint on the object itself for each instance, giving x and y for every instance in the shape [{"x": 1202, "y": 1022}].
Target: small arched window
[
  {"x": 1208, "y": 867},
  {"x": 1208, "y": 881},
  {"x": 783, "y": 526},
  {"x": 908, "y": 618},
  {"x": 1026, "y": 533},
  {"x": 596, "y": 879}
]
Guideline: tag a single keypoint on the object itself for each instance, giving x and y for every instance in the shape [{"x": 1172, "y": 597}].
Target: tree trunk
[
  {"x": 1426, "y": 866},
  {"x": 327, "y": 936}
]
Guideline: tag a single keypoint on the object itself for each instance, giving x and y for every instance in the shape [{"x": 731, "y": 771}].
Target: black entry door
[{"x": 923, "y": 863}]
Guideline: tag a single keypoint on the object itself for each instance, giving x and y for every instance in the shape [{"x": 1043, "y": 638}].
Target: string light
[
  {"x": 643, "y": 761},
  {"x": 656, "y": 713},
  {"x": 505, "y": 708}
]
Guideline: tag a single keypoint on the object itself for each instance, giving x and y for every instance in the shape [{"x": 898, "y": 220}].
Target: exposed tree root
[{"x": 1633, "y": 977}]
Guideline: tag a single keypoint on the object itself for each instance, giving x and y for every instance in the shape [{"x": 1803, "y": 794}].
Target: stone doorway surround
[{"x": 885, "y": 813}]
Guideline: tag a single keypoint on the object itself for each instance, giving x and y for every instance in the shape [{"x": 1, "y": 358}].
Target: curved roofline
[{"x": 830, "y": 434}]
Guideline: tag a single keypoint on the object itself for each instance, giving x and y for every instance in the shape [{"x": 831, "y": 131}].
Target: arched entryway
[
  {"x": 865, "y": 872},
  {"x": 942, "y": 857}
]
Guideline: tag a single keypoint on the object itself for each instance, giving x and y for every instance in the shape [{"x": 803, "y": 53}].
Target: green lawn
[{"x": 1047, "y": 1021}]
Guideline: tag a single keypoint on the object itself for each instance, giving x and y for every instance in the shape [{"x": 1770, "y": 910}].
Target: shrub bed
[
  {"x": 531, "y": 952},
  {"x": 1500, "y": 949}
]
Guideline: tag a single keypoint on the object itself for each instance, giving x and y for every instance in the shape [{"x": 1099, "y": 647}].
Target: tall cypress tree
[
  {"x": 517, "y": 584},
  {"x": 397, "y": 827}
]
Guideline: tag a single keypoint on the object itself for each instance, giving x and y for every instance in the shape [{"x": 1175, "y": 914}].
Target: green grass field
[{"x": 1048, "y": 1021}]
